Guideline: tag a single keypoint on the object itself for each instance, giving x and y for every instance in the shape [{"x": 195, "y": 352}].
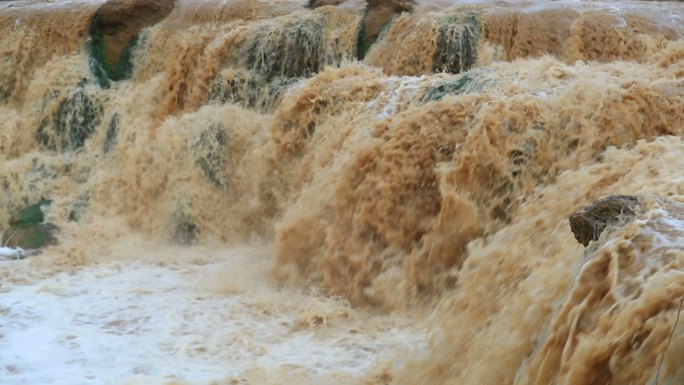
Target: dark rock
[
  {"x": 475, "y": 80},
  {"x": 6, "y": 88},
  {"x": 455, "y": 87},
  {"x": 588, "y": 223},
  {"x": 456, "y": 44},
  {"x": 291, "y": 50},
  {"x": 31, "y": 214},
  {"x": 378, "y": 16},
  {"x": 185, "y": 231},
  {"x": 209, "y": 150},
  {"x": 112, "y": 134},
  {"x": 114, "y": 32},
  {"x": 380, "y": 12},
  {"x": 27, "y": 237},
  {"x": 323, "y": 3},
  {"x": 77, "y": 117},
  {"x": 250, "y": 90},
  {"x": 27, "y": 229},
  {"x": 77, "y": 208}
]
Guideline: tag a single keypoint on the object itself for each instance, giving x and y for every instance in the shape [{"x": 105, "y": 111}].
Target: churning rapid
[{"x": 260, "y": 192}]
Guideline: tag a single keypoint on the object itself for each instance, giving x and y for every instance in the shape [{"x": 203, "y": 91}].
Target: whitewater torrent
[
  {"x": 207, "y": 316},
  {"x": 260, "y": 192}
]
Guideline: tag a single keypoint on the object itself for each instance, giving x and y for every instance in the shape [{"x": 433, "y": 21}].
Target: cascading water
[{"x": 248, "y": 192}]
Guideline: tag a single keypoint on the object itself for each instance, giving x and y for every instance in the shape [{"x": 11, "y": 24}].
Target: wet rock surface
[
  {"x": 28, "y": 230},
  {"x": 323, "y": 3},
  {"x": 34, "y": 236},
  {"x": 588, "y": 223},
  {"x": 293, "y": 50},
  {"x": 185, "y": 231},
  {"x": 209, "y": 151},
  {"x": 114, "y": 31},
  {"x": 75, "y": 120},
  {"x": 379, "y": 14},
  {"x": 456, "y": 49},
  {"x": 249, "y": 90}
]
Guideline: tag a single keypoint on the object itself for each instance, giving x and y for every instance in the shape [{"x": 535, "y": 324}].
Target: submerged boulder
[
  {"x": 114, "y": 32},
  {"x": 185, "y": 231},
  {"x": 249, "y": 89},
  {"x": 27, "y": 228},
  {"x": 475, "y": 80},
  {"x": 75, "y": 120},
  {"x": 291, "y": 50},
  {"x": 322, "y": 3},
  {"x": 209, "y": 149},
  {"x": 588, "y": 223},
  {"x": 457, "y": 39}
]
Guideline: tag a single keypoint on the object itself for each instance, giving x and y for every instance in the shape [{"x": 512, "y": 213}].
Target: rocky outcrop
[
  {"x": 379, "y": 13},
  {"x": 114, "y": 32},
  {"x": 588, "y": 223},
  {"x": 28, "y": 229}
]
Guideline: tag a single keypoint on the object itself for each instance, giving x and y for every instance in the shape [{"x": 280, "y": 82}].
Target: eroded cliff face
[{"x": 401, "y": 156}]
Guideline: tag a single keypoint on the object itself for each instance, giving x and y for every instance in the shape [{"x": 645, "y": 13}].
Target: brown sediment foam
[
  {"x": 389, "y": 177},
  {"x": 281, "y": 46},
  {"x": 571, "y": 34},
  {"x": 484, "y": 153},
  {"x": 568, "y": 31},
  {"x": 329, "y": 94},
  {"x": 523, "y": 34},
  {"x": 407, "y": 48},
  {"x": 511, "y": 320},
  {"x": 34, "y": 35},
  {"x": 614, "y": 325}
]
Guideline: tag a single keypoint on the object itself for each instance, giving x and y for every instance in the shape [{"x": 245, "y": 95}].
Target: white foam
[
  {"x": 10, "y": 253},
  {"x": 402, "y": 88},
  {"x": 113, "y": 324}
]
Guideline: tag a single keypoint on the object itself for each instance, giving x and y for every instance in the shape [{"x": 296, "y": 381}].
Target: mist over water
[{"x": 344, "y": 195}]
